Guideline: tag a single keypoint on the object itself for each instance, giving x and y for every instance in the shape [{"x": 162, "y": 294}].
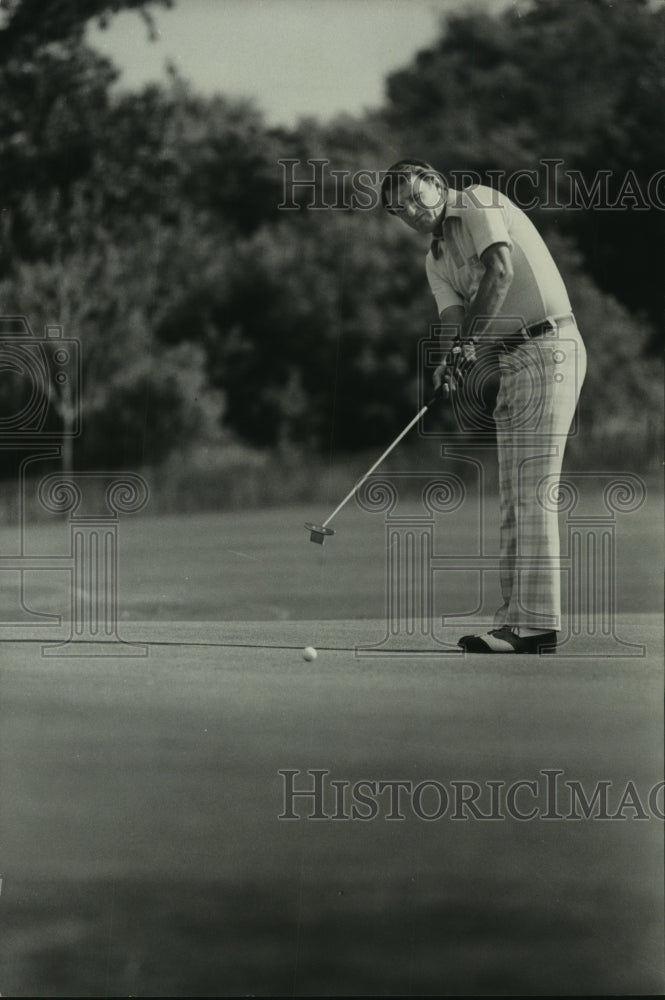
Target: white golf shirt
[{"x": 475, "y": 219}]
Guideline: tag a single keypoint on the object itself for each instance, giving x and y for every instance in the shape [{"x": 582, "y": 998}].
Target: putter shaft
[{"x": 378, "y": 462}]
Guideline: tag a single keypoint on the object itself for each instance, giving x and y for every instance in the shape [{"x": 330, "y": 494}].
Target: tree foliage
[
  {"x": 579, "y": 81},
  {"x": 148, "y": 225},
  {"x": 314, "y": 339},
  {"x": 28, "y": 25}
]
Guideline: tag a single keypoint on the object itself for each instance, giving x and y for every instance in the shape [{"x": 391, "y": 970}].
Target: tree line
[{"x": 149, "y": 225}]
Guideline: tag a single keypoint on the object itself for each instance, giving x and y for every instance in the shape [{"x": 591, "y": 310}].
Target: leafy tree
[
  {"x": 54, "y": 91},
  {"x": 312, "y": 330},
  {"x": 27, "y": 25},
  {"x": 148, "y": 226},
  {"x": 167, "y": 146},
  {"x": 101, "y": 227},
  {"x": 575, "y": 80},
  {"x": 139, "y": 399}
]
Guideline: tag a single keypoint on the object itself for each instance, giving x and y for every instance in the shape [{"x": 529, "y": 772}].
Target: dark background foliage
[{"x": 148, "y": 225}]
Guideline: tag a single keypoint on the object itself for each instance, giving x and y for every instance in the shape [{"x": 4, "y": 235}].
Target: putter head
[{"x": 318, "y": 532}]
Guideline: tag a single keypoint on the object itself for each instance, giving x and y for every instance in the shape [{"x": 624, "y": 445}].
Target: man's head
[{"x": 416, "y": 193}]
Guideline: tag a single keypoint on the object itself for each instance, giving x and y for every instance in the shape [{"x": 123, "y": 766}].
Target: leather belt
[{"x": 521, "y": 336}]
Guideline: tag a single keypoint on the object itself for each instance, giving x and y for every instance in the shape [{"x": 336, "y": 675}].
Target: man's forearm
[
  {"x": 452, "y": 320},
  {"x": 491, "y": 295}
]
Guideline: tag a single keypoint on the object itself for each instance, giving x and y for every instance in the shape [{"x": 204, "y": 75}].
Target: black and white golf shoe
[{"x": 506, "y": 640}]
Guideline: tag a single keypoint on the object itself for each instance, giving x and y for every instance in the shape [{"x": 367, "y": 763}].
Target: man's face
[{"x": 420, "y": 202}]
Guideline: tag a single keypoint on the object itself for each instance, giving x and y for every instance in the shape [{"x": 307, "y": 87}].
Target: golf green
[{"x": 144, "y": 799}]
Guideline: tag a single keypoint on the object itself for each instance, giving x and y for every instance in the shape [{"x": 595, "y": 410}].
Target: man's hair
[{"x": 403, "y": 170}]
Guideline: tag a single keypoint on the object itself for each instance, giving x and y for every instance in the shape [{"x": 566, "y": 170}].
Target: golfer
[{"x": 497, "y": 287}]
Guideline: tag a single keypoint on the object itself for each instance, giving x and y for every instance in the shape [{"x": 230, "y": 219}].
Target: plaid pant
[{"x": 538, "y": 393}]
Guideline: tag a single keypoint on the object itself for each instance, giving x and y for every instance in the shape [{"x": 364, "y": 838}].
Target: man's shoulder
[{"x": 475, "y": 196}]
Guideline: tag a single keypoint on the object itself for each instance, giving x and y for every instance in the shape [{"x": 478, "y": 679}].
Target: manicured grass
[
  {"x": 261, "y": 565},
  {"x": 142, "y": 853}
]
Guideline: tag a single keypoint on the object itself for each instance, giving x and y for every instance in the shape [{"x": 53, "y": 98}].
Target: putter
[{"x": 319, "y": 532}]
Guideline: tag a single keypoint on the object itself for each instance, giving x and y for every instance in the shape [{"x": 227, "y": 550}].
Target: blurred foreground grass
[
  {"x": 143, "y": 854},
  {"x": 338, "y": 937}
]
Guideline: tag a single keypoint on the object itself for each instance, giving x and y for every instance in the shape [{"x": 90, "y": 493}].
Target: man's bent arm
[
  {"x": 492, "y": 290},
  {"x": 453, "y": 316}
]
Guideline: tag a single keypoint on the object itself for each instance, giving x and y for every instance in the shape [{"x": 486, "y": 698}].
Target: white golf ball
[{"x": 309, "y": 653}]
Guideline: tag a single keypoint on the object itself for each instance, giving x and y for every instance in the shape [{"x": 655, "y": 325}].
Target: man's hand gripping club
[{"x": 450, "y": 375}]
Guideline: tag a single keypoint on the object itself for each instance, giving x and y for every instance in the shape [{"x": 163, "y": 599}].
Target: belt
[{"x": 549, "y": 325}]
